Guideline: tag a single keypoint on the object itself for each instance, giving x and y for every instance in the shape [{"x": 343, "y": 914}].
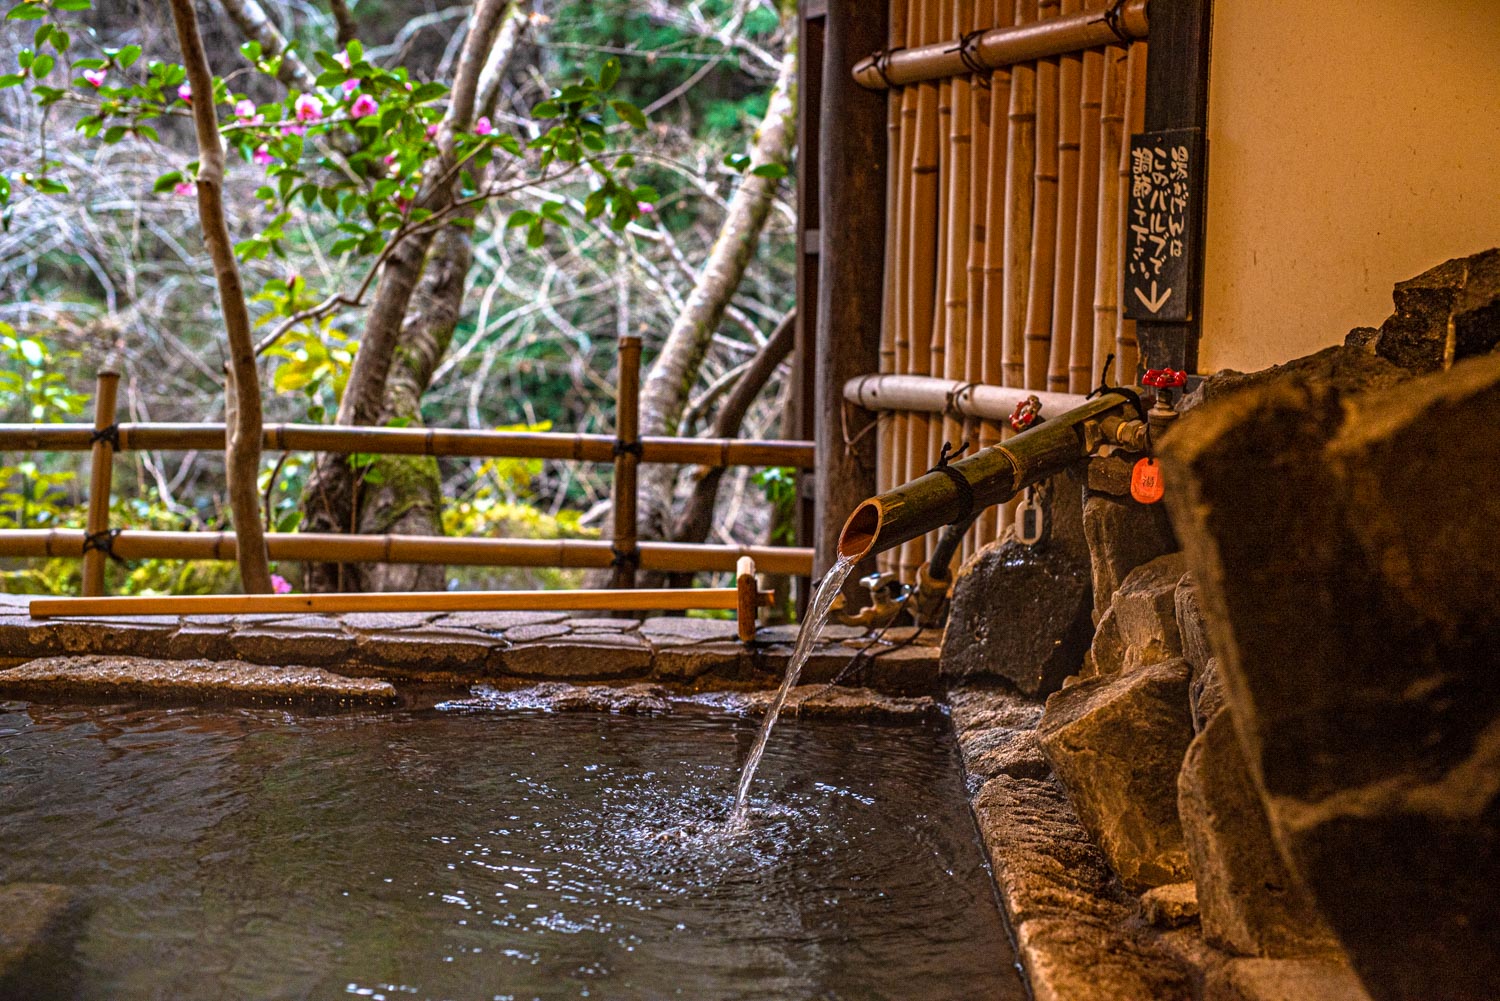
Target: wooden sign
[{"x": 1166, "y": 182}]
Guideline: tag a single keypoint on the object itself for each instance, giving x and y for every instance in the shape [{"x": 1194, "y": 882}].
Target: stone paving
[{"x": 469, "y": 647}]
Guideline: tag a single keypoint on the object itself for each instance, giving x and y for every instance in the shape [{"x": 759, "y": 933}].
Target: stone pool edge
[{"x": 473, "y": 647}]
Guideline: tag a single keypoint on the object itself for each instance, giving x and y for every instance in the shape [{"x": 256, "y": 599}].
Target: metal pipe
[
  {"x": 1001, "y": 47},
  {"x": 907, "y": 393},
  {"x": 991, "y": 476}
]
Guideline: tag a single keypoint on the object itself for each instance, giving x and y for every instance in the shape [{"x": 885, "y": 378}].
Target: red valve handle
[
  {"x": 1027, "y": 412},
  {"x": 1165, "y": 378}
]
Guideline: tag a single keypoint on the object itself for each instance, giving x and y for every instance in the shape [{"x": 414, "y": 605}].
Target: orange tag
[{"x": 1145, "y": 481}]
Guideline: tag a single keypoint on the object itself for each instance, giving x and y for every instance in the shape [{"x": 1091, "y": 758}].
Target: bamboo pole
[
  {"x": 895, "y": 253},
  {"x": 938, "y": 343},
  {"x": 101, "y": 473},
  {"x": 627, "y": 555},
  {"x": 634, "y": 600},
  {"x": 1126, "y": 351},
  {"x": 1107, "y": 256},
  {"x": 670, "y": 557},
  {"x": 1069, "y": 88},
  {"x": 1019, "y": 154},
  {"x": 973, "y": 234},
  {"x": 922, "y": 292},
  {"x": 1049, "y": 38},
  {"x": 1043, "y": 221},
  {"x": 1086, "y": 243},
  {"x": 900, "y": 427},
  {"x": 418, "y": 441}
]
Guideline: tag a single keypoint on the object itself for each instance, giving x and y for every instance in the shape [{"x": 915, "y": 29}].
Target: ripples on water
[{"x": 257, "y": 854}]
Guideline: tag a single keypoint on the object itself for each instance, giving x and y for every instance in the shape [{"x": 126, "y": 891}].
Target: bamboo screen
[{"x": 1004, "y": 230}]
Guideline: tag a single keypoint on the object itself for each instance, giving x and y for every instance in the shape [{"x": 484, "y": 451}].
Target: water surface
[{"x": 473, "y": 855}]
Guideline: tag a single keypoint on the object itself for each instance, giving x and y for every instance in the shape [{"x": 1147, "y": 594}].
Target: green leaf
[
  {"x": 50, "y": 186},
  {"x": 73, "y": 4},
  {"x": 27, "y": 12},
  {"x": 629, "y": 113},
  {"x": 545, "y": 109},
  {"x": 356, "y": 51},
  {"x": 610, "y": 74},
  {"x": 737, "y": 161},
  {"x": 520, "y": 217},
  {"x": 10, "y": 79},
  {"x": 251, "y": 51},
  {"x": 773, "y": 170},
  {"x": 127, "y": 56},
  {"x": 167, "y": 181}
]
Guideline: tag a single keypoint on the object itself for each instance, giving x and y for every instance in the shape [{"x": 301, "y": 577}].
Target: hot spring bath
[{"x": 468, "y": 853}]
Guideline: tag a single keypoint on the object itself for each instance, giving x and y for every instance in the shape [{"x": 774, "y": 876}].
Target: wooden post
[
  {"x": 748, "y": 596},
  {"x": 1177, "y": 98},
  {"x": 627, "y": 459},
  {"x": 101, "y": 473},
  {"x": 850, "y": 285}
]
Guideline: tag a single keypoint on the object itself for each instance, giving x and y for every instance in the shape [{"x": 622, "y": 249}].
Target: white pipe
[{"x": 924, "y": 394}]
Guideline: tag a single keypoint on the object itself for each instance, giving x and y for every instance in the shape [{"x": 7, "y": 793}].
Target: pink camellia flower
[
  {"x": 262, "y": 156},
  {"x": 95, "y": 78},
  {"x": 294, "y": 130},
  {"x": 483, "y": 127},
  {"x": 362, "y": 106},
  {"x": 184, "y": 188},
  {"x": 432, "y": 130},
  {"x": 244, "y": 110},
  {"x": 185, "y": 93},
  {"x": 646, "y": 208},
  {"x": 350, "y": 86},
  {"x": 280, "y": 584},
  {"x": 308, "y": 108}
]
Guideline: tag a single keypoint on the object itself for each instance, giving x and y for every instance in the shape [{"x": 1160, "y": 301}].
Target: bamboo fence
[
  {"x": 1005, "y": 218},
  {"x": 626, "y": 449}
]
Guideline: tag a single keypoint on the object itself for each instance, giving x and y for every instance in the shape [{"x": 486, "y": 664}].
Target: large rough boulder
[
  {"x": 1020, "y": 613},
  {"x": 1344, "y": 548},
  {"x": 1450, "y": 312},
  {"x": 1117, "y": 744},
  {"x": 1122, "y": 534},
  {"x": 1250, "y": 903}
]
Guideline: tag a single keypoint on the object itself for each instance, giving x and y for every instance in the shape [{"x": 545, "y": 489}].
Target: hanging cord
[
  {"x": 863, "y": 657},
  {"x": 1105, "y": 387},
  {"x": 964, "y": 487}
]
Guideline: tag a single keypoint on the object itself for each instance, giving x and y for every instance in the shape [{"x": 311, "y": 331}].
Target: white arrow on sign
[{"x": 1155, "y": 303}]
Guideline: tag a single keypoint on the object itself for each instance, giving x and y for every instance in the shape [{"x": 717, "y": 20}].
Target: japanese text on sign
[{"x": 1157, "y": 247}]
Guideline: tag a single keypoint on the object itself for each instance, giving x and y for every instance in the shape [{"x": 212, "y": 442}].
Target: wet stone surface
[{"x": 472, "y": 647}]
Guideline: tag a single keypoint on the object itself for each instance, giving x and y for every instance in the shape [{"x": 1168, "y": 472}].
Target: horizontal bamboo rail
[
  {"x": 1002, "y": 47},
  {"x": 923, "y": 394},
  {"x": 416, "y": 441},
  {"x": 642, "y": 599},
  {"x": 670, "y": 557}
]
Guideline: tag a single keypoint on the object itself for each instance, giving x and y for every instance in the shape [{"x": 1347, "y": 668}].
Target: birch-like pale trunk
[
  {"x": 332, "y": 502},
  {"x": 243, "y": 428},
  {"x": 670, "y": 379},
  {"x": 250, "y": 17}
]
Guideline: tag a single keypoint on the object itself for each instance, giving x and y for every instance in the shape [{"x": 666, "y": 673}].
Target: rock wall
[{"x": 1284, "y": 740}]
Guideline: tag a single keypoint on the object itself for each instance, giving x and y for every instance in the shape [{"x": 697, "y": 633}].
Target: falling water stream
[{"x": 812, "y": 628}]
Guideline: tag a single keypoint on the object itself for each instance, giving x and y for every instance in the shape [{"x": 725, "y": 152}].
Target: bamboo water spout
[{"x": 991, "y": 476}]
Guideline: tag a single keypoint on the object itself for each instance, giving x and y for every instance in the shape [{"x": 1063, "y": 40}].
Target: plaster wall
[{"x": 1353, "y": 144}]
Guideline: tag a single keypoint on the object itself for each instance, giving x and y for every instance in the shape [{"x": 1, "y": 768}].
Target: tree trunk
[
  {"x": 243, "y": 427},
  {"x": 333, "y": 500},
  {"x": 697, "y": 518},
  {"x": 251, "y": 19},
  {"x": 672, "y": 375}
]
